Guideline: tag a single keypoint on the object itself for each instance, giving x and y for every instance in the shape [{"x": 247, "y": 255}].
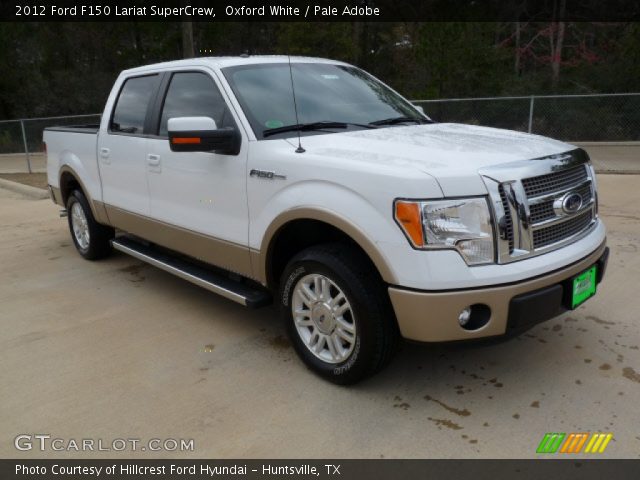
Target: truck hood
[{"x": 452, "y": 153}]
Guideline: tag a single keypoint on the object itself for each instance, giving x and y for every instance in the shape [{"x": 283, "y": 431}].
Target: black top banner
[{"x": 321, "y": 10}]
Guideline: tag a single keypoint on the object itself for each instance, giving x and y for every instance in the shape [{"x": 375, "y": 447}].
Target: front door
[{"x": 199, "y": 197}]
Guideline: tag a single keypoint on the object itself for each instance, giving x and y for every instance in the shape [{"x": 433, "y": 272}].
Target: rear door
[
  {"x": 122, "y": 146},
  {"x": 202, "y": 193}
]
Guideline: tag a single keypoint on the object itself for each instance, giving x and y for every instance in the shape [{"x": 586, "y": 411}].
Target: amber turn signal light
[
  {"x": 186, "y": 140},
  {"x": 408, "y": 216}
]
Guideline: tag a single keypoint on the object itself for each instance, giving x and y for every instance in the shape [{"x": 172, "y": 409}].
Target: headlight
[{"x": 462, "y": 224}]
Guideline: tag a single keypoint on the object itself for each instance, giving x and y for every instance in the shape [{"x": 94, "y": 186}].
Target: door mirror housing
[
  {"x": 419, "y": 108},
  {"x": 201, "y": 134}
]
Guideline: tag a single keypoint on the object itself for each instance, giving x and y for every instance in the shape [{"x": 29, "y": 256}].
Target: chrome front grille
[
  {"x": 553, "y": 182},
  {"x": 541, "y": 204},
  {"x": 507, "y": 228},
  {"x": 558, "y": 232},
  {"x": 544, "y": 210}
]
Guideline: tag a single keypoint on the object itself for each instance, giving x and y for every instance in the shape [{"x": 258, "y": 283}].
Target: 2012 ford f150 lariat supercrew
[{"x": 310, "y": 183}]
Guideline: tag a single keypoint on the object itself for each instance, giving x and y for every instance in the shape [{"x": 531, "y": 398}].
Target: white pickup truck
[{"x": 310, "y": 182}]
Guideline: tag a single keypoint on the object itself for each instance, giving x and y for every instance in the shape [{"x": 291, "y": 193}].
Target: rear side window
[
  {"x": 193, "y": 94},
  {"x": 132, "y": 104}
]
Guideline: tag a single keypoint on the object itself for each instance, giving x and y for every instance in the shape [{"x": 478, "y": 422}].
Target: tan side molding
[{"x": 223, "y": 254}]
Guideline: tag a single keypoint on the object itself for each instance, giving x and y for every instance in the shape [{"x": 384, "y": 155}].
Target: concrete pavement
[{"x": 118, "y": 349}]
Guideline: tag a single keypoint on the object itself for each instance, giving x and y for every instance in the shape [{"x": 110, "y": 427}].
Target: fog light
[{"x": 464, "y": 317}]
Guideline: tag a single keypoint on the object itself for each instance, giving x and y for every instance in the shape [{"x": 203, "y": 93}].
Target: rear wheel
[
  {"x": 92, "y": 240},
  {"x": 337, "y": 313}
]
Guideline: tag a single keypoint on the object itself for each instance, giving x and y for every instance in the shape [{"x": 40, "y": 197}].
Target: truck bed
[
  {"x": 88, "y": 128},
  {"x": 75, "y": 147}
]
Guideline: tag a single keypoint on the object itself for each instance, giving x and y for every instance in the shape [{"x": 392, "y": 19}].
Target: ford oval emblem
[{"x": 572, "y": 202}]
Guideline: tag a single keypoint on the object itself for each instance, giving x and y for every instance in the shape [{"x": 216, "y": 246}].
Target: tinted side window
[
  {"x": 132, "y": 103},
  {"x": 193, "y": 94}
]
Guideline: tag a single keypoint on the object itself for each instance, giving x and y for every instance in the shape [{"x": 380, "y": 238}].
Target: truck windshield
[{"x": 330, "y": 98}]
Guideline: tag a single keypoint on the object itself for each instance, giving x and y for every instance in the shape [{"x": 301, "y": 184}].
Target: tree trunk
[
  {"x": 187, "y": 40},
  {"x": 356, "y": 38},
  {"x": 517, "y": 59},
  {"x": 137, "y": 42},
  {"x": 556, "y": 54},
  {"x": 557, "y": 40}
]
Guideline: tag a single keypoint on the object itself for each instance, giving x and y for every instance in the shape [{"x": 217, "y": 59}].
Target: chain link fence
[
  {"x": 573, "y": 118},
  {"x": 21, "y": 146}
]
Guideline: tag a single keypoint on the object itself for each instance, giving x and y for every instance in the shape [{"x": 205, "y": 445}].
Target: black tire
[
  {"x": 377, "y": 334},
  {"x": 99, "y": 245}
]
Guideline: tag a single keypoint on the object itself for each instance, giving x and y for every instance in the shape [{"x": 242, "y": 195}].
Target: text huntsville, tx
[
  {"x": 180, "y": 470},
  {"x": 97, "y": 11}
]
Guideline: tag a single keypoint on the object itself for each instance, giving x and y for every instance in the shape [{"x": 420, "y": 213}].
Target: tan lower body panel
[
  {"x": 433, "y": 316},
  {"x": 100, "y": 213},
  {"x": 56, "y": 195},
  {"x": 258, "y": 263},
  {"x": 210, "y": 250}
]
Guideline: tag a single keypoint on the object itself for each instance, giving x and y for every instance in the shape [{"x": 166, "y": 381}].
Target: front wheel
[
  {"x": 92, "y": 240},
  {"x": 337, "y": 313}
]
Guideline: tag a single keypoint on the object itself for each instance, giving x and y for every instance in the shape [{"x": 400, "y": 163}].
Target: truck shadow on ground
[
  {"x": 513, "y": 375},
  {"x": 464, "y": 369}
]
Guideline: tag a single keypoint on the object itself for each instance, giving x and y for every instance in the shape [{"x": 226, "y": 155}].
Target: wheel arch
[
  {"x": 69, "y": 181},
  {"x": 295, "y": 230}
]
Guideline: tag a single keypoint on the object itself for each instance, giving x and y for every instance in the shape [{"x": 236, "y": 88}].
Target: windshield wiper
[
  {"x": 395, "y": 120},
  {"x": 312, "y": 126}
]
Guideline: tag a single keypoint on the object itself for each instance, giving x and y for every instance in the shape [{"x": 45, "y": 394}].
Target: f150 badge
[{"x": 266, "y": 174}]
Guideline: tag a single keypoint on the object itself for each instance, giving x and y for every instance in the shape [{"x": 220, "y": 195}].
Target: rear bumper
[{"x": 433, "y": 316}]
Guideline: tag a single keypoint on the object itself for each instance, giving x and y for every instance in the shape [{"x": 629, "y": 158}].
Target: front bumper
[{"x": 433, "y": 316}]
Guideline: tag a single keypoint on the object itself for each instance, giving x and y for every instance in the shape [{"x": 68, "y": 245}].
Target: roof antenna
[{"x": 295, "y": 107}]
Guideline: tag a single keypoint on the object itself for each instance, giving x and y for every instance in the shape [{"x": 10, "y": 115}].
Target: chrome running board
[{"x": 238, "y": 291}]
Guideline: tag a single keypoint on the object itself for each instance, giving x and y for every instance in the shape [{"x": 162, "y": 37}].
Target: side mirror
[
  {"x": 201, "y": 134},
  {"x": 419, "y": 108}
]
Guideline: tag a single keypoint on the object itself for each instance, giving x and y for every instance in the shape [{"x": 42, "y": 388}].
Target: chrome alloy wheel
[
  {"x": 80, "y": 226},
  {"x": 323, "y": 318}
]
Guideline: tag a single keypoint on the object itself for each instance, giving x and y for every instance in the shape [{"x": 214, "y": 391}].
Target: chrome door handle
[
  {"x": 153, "y": 160},
  {"x": 104, "y": 155}
]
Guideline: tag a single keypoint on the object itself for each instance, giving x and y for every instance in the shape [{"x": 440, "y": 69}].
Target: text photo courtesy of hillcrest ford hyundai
[{"x": 357, "y": 239}]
